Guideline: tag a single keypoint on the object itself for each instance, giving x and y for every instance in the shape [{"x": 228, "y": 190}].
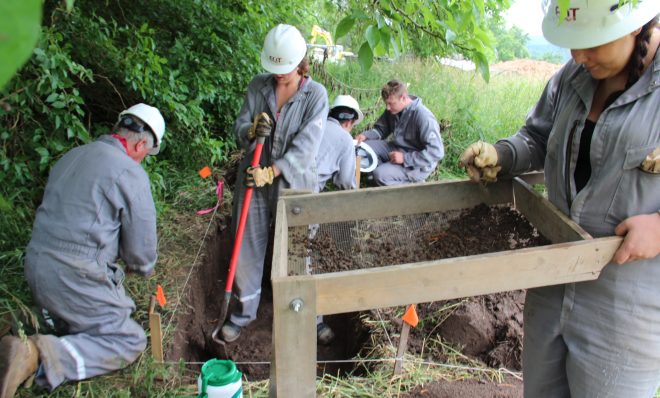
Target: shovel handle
[{"x": 243, "y": 217}]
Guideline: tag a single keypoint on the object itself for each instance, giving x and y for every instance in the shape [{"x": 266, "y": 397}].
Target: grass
[{"x": 474, "y": 109}]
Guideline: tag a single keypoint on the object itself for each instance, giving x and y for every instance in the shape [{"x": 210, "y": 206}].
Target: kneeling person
[
  {"x": 414, "y": 147},
  {"x": 97, "y": 208},
  {"x": 336, "y": 157}
]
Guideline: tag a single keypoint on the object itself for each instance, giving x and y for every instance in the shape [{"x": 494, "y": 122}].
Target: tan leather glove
[
  {"x": 480, "y": 161},
  {"x": 258, "y": 176},
  {"x": 261, "y": 127},
  {"x": 652, "y": 162}
]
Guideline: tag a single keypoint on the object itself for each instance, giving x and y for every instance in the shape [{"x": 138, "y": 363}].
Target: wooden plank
[
  {"x": 293, "y": 368},
  {"x": 547, "y": 218},
  {"x": 358, "y": 160},
  {"x": 533, "y": 178},
  {"x": 155, "y": 332},
  {"x": 400, "y": 200},
  {"x": 391, "y": 286},
  {"x": 280, "y": 264}
]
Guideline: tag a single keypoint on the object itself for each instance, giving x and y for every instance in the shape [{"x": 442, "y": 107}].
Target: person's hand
[
  {"x": 360, "y": 138},
  {"x": 396, "y": 157},
  {"x": 261, "y": 127},
  {"x": 480, "y": 161},
  {"x": 641, "y": 238},
  {"x": 258, "y": 176},
  {"x": 652, "y": 162}
]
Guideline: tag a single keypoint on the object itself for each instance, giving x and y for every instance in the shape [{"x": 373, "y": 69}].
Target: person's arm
[
  {"x": 430, "y": 140},
  {"x": 641, "y": 238},
  {"x": 380, "y": 131},
  {"x": 345, "y": 177},
  {"x": 305, "y": 145},
  {"x": 138, "y": 239}
]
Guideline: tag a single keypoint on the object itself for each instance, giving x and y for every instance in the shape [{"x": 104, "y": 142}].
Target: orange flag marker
[
  {"x": 410, "y": 317},
  {"x": 205, "y": 172},
  {"x": 160, "y": 296}
]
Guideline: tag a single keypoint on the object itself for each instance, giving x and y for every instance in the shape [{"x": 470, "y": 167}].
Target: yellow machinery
[{"x": 329, "y": 50}]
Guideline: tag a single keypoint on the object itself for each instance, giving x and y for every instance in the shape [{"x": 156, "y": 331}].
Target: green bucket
[{"x": 220, "y": 379}]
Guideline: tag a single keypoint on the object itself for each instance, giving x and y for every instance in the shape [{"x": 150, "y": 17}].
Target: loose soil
[
  {"x": 487, "y": 329},
  {"x": 526, "y": 67}
]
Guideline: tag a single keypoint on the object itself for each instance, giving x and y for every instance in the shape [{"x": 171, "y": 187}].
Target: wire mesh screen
[{"x": 343, "y": 246}]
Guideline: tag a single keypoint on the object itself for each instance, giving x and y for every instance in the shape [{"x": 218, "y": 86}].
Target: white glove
[{"x": 480, "y": 161}]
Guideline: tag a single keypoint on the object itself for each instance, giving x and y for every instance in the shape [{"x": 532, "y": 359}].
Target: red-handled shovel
[{"x": 238, "y": 241}]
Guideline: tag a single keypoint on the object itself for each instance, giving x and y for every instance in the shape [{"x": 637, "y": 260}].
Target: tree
[
  {"x": 455, "y": 26},
  {"x": 509, "y": 43}
]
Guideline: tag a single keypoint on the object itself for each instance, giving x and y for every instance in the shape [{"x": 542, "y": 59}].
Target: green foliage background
[{"x": 192, "y": 59}]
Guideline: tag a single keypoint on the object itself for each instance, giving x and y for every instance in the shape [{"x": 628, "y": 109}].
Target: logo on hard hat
[
  {"x": 276, "y": 60},
  {"x": 571, "y": 13}
]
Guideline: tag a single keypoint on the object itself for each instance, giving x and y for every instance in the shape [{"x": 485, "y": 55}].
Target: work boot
[
  {"x": 18, "y": 360},
  {"x": 230, "y": 332},
  {"x": 324, "y": 335}
]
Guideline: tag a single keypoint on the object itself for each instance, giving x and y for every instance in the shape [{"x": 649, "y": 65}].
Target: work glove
[
  {"x": 258, "y": 176},
  {"x": 652, "y": 162},
  {"x": 261, "y": 126},
  {"x": 480, "y": 161}
]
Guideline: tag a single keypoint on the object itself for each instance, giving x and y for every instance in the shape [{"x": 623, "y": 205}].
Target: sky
[{"x": 526, "y": 15}]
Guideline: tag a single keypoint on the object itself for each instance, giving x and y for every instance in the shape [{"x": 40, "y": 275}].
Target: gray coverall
[
  {"x": 97, "y": 207},
  {"x": 599, "y": 338},
  {"x": 336, "y": 158},
  {"x": 416, "y": 133},
  {"x": 292, "y": 147}
]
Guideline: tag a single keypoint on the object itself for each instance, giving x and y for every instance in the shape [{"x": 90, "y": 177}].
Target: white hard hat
[
  {"x": 152, "y": 117},
  {"x": 368, "y": 158},
  {"x": 349, "y": 102},
  {"x": 284, "y": 48},
  {"x": 591, "y": 23}
]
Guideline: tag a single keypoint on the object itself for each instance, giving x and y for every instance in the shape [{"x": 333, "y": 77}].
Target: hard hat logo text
[
  {"x": 276, "y": 60},
  {"x": 571, "y": 14}
]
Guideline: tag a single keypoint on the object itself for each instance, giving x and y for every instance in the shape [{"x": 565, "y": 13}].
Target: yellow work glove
[
  {"x": 652, "y": 162},
  {"x": 480, "y": 161},
  {"x": 261, "y": 126},
  {"x": 258, "y": 176}
]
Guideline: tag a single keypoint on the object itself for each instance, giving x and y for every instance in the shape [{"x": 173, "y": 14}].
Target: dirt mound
[
  {"x": 511, "y": 388},
  {"x": 526, "y": 67}
]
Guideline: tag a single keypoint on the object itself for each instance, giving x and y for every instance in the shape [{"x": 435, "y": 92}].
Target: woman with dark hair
[
  {"x": 291, "y": 109},
  {"x": 596, "y": 133}
]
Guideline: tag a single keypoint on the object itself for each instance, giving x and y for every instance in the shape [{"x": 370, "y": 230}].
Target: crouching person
[{"x": 97, "y": 208}]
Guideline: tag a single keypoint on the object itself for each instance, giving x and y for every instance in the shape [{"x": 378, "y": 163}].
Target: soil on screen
[{"x": 485, "y": 328}]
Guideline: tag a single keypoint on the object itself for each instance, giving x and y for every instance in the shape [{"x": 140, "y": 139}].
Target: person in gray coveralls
[
  {"x": 415, "y": 146},
  {"x": 336, "y": 158},
  {"x": 97, "y": 208},
  {"x": 294, "y": 108},
  {"x": 595, "y": 132}
]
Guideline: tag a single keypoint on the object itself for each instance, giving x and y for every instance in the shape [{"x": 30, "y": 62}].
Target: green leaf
[
  {"x": 373, "y": 36},
  {"x": 344, "y": 26},
  {"x": 20, "y": 24},
  {"x": 5, "y": 205},
  {"x": 365, "y": 56},
  {"x": 69, "y": 5},
  {"x": 482, "y": 65}
]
